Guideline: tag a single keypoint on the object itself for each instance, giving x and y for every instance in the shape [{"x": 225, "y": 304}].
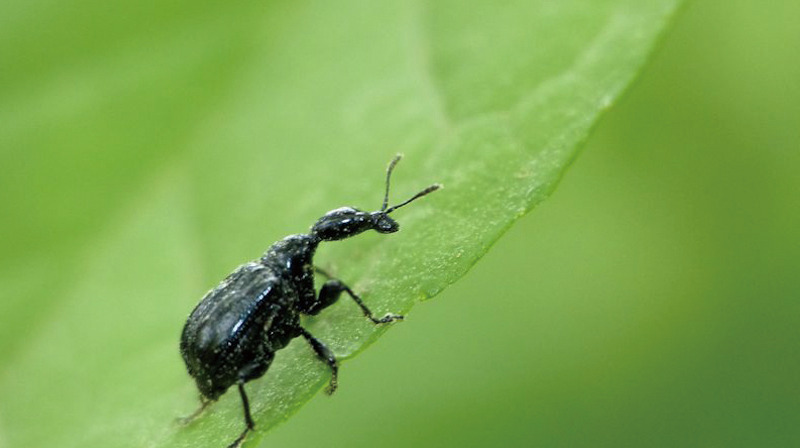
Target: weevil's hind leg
[
  {"x": 334, "y": 287},
  {"x": 248, "y": 419},
  {"x": 326, "y": 355},
  {"x": 204, "y": 403}
]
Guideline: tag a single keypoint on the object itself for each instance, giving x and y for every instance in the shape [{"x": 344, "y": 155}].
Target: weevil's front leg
[
  {"x": 326, "y": 355},
  {"x": 333, "y": 288}
]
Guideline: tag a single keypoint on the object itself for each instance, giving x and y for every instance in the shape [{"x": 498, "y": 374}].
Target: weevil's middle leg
[
  {"x": 334, "y": 287},
  {"x": 327, "y": 356}
]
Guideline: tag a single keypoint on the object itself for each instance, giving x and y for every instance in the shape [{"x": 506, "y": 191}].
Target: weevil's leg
[
  {"x": 326, "y": 355},
  {"x": 383, "y": 320},
  {"x": 314, "y": 303},
  {"x": 328, "y": 295},
  {"x": 333, "y": 288},
  {"x": 324, "y": 299},
  {"x": 204, "y": 402},
  {"x": 247, "y": 418},
  {"x": 323, "y": 272}
]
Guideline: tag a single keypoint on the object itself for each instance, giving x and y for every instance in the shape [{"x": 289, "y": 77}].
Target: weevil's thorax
[{"x": 292, "y": 255}]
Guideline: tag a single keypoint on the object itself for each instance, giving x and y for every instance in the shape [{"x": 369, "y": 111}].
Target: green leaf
[{"x": 151, "y": 148}]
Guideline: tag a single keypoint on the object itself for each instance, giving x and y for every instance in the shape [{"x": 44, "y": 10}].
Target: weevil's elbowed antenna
[{"x": 422, "y": 193}]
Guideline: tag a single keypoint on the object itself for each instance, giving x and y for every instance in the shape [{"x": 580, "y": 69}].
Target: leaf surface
[{"x": 154, "y": 148}]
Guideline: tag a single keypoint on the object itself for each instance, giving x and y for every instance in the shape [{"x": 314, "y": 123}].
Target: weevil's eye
[{"x": 382, "y": 223}]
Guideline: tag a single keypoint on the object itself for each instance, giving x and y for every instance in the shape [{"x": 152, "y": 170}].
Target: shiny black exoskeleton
[{"x": 231, "y": 337}]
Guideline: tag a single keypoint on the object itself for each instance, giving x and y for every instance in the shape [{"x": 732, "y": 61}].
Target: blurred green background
[{"x": 653, "y": 300}]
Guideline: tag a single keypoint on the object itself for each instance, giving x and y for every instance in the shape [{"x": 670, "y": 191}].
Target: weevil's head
[
  {"x": 341, "y": 223},
  {"x": 347, "y": 221},
  {"x": 382, "y": 223}
]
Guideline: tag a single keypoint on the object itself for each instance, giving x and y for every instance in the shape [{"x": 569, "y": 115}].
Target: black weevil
[{"x": 232, "y": 335}]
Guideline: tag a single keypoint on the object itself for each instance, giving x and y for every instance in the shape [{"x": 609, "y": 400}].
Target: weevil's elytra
[{"x": 232, "y": 335}]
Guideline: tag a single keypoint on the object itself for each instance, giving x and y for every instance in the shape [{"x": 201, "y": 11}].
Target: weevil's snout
[
  {"x": 341, "y": 223},
  {"x": 382, "y": 223}
]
